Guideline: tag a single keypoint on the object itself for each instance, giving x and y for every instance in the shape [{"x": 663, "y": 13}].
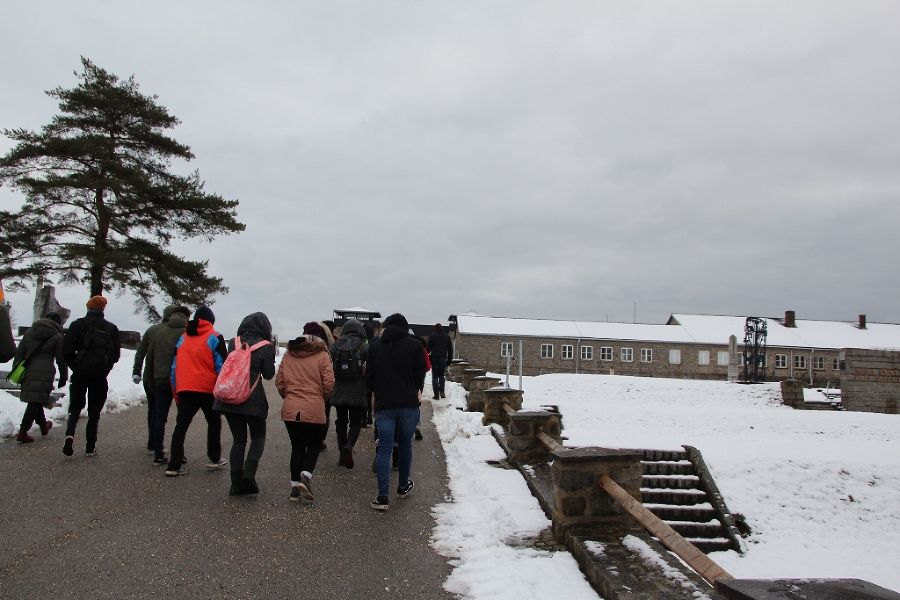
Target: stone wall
[
  {"x": 871, "y": 381},
  {"x": 484, "y": 350}
]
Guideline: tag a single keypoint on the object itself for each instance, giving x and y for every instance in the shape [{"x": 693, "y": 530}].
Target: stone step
[
  {"x": 679, "y": 482},
  {"x": 667, "y": 455},
  {"x": 690, "y": 529},
  {"x": 684, "y": 497},
  {"x": 697, "y": 513},
  {"x": 707, "y": 545},
  {"x": 666, "y": 467}
]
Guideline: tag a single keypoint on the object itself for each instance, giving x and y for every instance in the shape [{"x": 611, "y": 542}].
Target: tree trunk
[{"x": 99, "y": 261}]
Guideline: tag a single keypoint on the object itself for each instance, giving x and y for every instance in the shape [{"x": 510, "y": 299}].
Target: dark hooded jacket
[
  {"x": 74, "y": 339},
  {"x": 350, "y": 392},
  {"x": 45, "y": 338},
  {"x": 395, "y": 369},
  {"x": 254, "y": 328},
  {"x": 143, "y": 350},
  {"x": 161, "y": 350},
  {"x": 7, "y": 343},
  {"x": 441, "y": 349}
]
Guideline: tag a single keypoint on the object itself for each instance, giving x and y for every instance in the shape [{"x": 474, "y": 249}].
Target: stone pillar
[
  {"x": 45, "y": 302},
  {"x": 522, "y": 441},
  {"x": 495, "y": 398},
  {"x": 469, "y": 374},
  {"x": 579, "y": 503},
  {"x": 456, "y": 369},
  {"x": 792, "y": 393},
  {"x": 475, "y": 397}
]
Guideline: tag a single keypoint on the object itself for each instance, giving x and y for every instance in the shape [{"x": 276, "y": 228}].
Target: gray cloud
[{"x": 561, "y": 160}]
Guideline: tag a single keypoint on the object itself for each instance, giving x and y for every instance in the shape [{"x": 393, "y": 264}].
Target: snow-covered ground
[{"x": 819, "y": 488}]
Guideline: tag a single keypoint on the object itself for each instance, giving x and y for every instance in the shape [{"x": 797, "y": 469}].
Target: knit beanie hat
[
  {"x": 96, "y": 303},
  {"x": 398, "y": 320},
  {"x": 438, "y": 328},
  {"x": 205, "y": 313},
  {"x": 313, "y": 328}
]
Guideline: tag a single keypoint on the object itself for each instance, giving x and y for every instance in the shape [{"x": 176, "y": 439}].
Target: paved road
[{"x": 113, "y": 526}]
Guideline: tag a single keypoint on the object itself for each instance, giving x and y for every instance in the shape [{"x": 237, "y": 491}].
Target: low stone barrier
[
  {"x": 475, "y": 397},
  {"x": 469, "y": 374},
  {"x": 494, "y": 401},
  {"x": 454, "y": 373}
]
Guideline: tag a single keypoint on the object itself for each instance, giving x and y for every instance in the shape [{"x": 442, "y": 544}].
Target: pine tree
[{"x": 102, "y": 204}]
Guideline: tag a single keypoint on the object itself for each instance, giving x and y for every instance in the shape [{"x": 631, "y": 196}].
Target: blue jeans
[{"x": 394, "y": 424}]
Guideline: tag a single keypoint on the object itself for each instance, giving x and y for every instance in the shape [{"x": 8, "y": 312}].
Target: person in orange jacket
[{"x": 199, "y": 356}]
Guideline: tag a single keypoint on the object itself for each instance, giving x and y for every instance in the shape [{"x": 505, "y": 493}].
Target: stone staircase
[{"x": 673, "y": 491}]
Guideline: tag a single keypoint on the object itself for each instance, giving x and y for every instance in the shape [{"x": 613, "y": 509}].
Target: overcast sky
[{"x": 563, "y": 159}]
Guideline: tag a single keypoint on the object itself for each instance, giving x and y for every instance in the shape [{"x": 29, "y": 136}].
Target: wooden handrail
[
  {"x": 671, "y": 539},
  {"x": 548, "y": 441}
]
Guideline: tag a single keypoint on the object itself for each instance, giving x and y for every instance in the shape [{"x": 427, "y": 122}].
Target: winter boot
[{"x": 23, "y": 438}]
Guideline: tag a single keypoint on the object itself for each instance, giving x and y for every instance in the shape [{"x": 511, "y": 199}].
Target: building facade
[{"x": 687, "y": 346}]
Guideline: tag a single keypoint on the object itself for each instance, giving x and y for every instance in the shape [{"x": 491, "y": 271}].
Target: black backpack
[
  {"x": 96, "y": 351},
  {"x": 347, "y": 360}
]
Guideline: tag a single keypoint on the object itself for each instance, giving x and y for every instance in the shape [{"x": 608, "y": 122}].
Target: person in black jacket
[
  {"x": 7, "y": 343},
  {"x": 440, "y": 349},
  {"x": 251, "y": 415},
  {"x": 41, "y": 346},
  {"x": 395, "y": 371},
  {"x": 91, "y": 347}
]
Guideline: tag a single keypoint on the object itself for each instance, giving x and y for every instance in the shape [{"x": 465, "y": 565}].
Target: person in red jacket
[{"x": 199, "y": 356}]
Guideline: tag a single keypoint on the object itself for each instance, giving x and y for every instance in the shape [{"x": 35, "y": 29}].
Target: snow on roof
[
  {"x": 697, "y": 329},
  {"x": 355, "y": 309},
  {"x": 713, "y": 329},
  {"x": 570, "y": 329}
]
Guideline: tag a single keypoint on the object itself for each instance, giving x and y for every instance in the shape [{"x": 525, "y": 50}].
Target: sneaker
[
  {"x": 379, "y": 503},
  {"x": 435, "y": 397},
  {"x": 295, "y": 493},
  {"x": 215, "y": 465},
  {"x": 306, "y": 486},
  {"x": 250, "y": 485},
  {"x": 405, "y": 490},
  {"x": 160, "y": 460},
  {"x": 90, "y": 450},
  {"x": 23, "y": 438},
  {"x": 45, "y": 428},
  {"x": 176, "y": 472},
  {"x": 418, "y": 434},
  {"x": 443, "y": 395},
  {"x": 347, "y": 457},
  {"x": 69, "y": 446}
]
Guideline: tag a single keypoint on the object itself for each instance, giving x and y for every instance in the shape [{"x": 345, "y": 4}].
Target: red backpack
[{"x": 233, "y": 383}]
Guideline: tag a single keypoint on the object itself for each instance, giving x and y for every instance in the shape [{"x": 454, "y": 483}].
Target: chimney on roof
[
  {"x": 790, "y": 318},
  {"x": 862, "y": 321}
]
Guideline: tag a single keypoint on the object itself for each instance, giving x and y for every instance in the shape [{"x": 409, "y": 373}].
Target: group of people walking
[{"x": 183, "y": 359}]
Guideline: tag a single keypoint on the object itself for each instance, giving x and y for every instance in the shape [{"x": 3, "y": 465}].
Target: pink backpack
[{"x": 233, "y": 384}]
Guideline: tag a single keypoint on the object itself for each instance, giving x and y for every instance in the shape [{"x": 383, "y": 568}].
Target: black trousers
[
  {"x": 34, "y": 413},
  {"x": 93, "y": 392},
  {"x": 347, "y": 424},
  {"x": 240, "y": 425},
  {"x": 188, "y": 405},
  {"x": 437, "y": 377},
  {"x": 160, "y": 415},
  {"x": 150, "y": 392},
  {"x": 306, "y": 443}
]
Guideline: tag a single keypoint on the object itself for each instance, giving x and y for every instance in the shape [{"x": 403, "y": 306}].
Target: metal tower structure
[{"x": 754, "y": 349}]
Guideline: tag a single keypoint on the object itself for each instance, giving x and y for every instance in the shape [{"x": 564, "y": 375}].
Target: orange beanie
[{"x": 96, "y": 303}]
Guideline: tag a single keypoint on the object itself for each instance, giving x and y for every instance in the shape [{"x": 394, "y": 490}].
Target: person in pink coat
[{"x": 305, "y": 380}]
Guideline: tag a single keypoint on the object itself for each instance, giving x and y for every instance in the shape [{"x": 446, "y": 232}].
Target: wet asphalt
[{"x": 112, "y": 526}]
